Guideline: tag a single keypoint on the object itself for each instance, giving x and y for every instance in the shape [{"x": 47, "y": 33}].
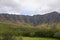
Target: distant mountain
[{"x": 33, "y": 20}]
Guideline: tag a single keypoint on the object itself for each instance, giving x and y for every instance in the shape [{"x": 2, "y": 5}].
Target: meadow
[{"x": 35, "y": 38}]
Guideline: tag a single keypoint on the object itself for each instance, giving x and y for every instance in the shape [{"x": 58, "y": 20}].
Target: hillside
[
  {"x": 33, "y": 20},
  {"x": 47, "y": 25}
]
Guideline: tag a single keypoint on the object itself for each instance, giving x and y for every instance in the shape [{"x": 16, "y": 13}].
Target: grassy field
[{"x": 34, "y": 38}]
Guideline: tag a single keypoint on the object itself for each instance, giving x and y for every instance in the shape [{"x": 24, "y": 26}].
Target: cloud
[
  {"x": 9, "y": 6},
  {"x": 29, "y": 7}
]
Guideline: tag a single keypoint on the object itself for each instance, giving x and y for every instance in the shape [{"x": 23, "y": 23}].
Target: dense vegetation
[{"x": 43, "y": 30}]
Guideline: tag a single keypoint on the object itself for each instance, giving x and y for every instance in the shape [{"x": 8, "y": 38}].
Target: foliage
[{"x": 42, "y": 30}]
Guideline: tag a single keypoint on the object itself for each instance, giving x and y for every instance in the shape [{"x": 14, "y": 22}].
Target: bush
[{"x": 7, "y": 36}]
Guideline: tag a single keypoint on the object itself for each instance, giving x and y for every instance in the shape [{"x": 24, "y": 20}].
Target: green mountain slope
[{"x": 47, "y": 25}]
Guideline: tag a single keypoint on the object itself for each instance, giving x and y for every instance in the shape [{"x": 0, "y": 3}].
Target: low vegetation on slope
[{"x": 23, "y": 29}]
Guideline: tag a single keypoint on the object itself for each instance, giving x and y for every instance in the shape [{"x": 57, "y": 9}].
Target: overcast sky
[{"x": 29, "y": 7}]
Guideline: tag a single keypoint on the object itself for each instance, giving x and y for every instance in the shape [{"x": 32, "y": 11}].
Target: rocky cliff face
[{"x": 34, "y": 20}]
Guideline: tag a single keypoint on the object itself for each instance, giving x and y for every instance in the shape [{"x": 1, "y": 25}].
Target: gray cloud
[
  {"x": 9, "y": 6},
  {"x": 33, "y": 6}
]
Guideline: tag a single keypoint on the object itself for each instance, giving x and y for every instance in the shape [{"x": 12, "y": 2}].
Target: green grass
[{"x": 34, "y": 38}]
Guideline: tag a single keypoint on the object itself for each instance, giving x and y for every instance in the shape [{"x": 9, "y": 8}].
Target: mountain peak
[{"x": 54, "y": 12}]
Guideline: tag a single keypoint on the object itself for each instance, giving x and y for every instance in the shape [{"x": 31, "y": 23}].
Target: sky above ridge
[{"x": 29, "y": 7}]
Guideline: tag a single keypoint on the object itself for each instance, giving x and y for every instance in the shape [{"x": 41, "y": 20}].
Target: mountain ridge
[{"x": 33, "y": 20}]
